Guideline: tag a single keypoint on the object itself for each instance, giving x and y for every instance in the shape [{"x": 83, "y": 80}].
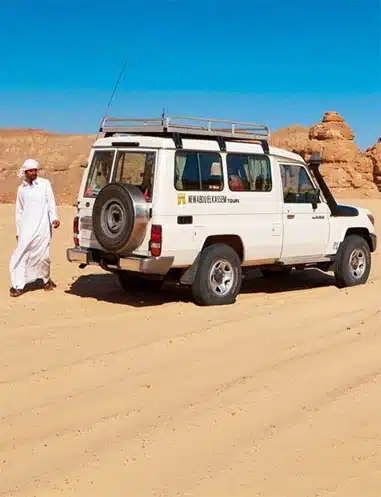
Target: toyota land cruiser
[{"x": 199, "y": 201}]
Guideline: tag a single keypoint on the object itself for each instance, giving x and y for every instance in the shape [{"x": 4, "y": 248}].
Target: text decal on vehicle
[{"x": 182, "y": 199}]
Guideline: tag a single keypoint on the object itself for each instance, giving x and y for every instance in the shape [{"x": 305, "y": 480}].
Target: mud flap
[{"x": 189, "y": 275}]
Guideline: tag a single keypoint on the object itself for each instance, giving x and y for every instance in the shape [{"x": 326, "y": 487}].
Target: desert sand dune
[{"x": 109, "y": 394}]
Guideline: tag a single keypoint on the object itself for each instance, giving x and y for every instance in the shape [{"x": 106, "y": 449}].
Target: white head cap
[{"x": 27, "y": 166}]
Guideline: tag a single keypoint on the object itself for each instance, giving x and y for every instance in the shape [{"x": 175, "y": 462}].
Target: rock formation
[
  {"x": 60, "y": 157},
  {"x": 374, "y": 154},
  {"x": 346, "y": 169}
]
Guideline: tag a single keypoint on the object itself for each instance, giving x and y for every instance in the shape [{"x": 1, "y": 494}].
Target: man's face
[{"x": 31, "y": 175}]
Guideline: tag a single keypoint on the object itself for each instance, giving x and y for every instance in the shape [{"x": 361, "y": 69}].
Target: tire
[
  {"x": 354, "y": 252},
  {"x": 120, "y": 218},
  {"x": 131, "y": 282},
  {"x": 218, "y": 278},
  {"x": 276, "y": 273}
]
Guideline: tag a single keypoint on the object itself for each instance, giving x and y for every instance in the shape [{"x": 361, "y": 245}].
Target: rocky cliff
[
  {"x": 348, "y": 170},
  {"x": 60, "y": 157},
  {"x": 374, "y": 154}
]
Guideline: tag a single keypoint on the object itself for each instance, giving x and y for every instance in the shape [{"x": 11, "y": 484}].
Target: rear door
[
  {"x": 134, "y": 167},
  {"x": 137, "y": 167},
  {"x": 305, "y": 227}
]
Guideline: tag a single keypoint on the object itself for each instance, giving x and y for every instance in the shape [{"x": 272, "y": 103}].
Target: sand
[{"x": 105, "y": 394}]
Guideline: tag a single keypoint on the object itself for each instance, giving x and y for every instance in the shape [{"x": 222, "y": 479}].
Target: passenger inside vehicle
[
  {"x": 215, "y": 176},
  {"x": 238, "y": 180}
]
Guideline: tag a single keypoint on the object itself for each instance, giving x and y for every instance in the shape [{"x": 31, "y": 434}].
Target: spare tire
[{"x": 120, "y": 218}]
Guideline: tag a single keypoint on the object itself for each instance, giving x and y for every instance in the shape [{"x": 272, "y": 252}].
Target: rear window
[
  {"x": 100, "y": 172},
  {"x": 136, "y": 168}
]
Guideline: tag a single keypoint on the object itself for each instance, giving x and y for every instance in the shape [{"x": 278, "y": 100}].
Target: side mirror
[{"x": 313, "y": 197}]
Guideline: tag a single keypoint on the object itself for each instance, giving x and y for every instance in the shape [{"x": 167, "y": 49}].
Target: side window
[
  {"x": 249, "y": 173},
  {"x": 297, "y": 185},
  {"x": 100, "y": 172},
  {"x": 198, "y": 171}
]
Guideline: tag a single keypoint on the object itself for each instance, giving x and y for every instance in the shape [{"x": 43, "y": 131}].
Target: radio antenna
[{"x": 113, "y": 94}]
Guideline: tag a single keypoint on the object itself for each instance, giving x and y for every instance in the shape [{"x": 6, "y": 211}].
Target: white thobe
[{"x": 35, "y": 212}]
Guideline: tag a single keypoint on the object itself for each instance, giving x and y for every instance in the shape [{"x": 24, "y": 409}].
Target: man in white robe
[{"x": 36, "y": 214}]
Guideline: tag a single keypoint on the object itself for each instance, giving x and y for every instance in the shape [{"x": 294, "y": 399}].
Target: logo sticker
[{"x": 181, "y": 199}]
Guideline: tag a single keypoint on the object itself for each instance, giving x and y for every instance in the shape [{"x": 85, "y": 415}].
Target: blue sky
[{"x": 274, "y": 61}]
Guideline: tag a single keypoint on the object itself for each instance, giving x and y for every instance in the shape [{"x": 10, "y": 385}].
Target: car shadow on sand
[
  {"x": 106, "y": 288},
  {"x": 308, "y": 279}
]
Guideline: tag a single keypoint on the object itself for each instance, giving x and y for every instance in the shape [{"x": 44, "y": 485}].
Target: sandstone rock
[
  {"x": 344, "y": 166},
  {"x": 374, "y": 154},
  {"x": 55, "y": 152},
  {"x": 324, "y": 132},
  {"x": 292, "y": 138},
  {"x": 331, "y": 127},
  {"x": 332, "y": 117}
]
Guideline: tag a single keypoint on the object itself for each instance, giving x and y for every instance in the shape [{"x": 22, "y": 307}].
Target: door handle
[
  {"x": 184, "y": 219},
  {"x": 290, "y": 216}
]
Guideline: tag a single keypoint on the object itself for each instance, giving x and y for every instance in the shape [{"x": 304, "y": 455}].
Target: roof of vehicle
[{"x": 157, "y": 142}]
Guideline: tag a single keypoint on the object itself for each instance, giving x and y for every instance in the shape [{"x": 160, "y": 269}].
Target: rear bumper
[
  {"x": 78, "y": 255},
  {"x": 146, "y": 265},
  {"x": 373, "y": 241}
]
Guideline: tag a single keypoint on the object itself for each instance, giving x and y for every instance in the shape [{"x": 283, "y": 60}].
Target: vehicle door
[
  {"x": 258, "y": 218},
  {"x": 305, "y": 218}
]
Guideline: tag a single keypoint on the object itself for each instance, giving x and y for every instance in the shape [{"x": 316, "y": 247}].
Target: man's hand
[{"x": 56, "y": 224}]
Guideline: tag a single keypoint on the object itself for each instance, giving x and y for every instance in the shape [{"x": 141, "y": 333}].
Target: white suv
[{"x": 199, "y": 201}]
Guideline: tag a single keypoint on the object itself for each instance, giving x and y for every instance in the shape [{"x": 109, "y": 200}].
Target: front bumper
[{"x": 146, "y": 265}]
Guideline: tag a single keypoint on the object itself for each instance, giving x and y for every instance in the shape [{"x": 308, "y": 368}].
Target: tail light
[
  {"x": 156, "y": 240},
  {"x": 76, "y": 231}
]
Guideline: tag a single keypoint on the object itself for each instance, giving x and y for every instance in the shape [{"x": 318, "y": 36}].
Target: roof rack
[{"x": 179, "y": 127}]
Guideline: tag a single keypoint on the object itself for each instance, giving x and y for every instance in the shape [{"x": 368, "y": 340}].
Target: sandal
[
  {"x": 15, "y": 293},
  {"x": 49, "y": 286}
]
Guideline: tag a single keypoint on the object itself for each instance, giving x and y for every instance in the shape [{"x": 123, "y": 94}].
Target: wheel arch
[
  {"x": 364, "y": 233},
  {"x": 233, "y": 241}
]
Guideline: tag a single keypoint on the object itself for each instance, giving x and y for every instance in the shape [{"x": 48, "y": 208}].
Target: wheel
[
  {"x": 120, "y": 218},
  {"x": 218, "y": 277},
  {"x": 135, "y": 282},
  {"x": 353, "y": 263},
  {"x": 276, "y": 272}
]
